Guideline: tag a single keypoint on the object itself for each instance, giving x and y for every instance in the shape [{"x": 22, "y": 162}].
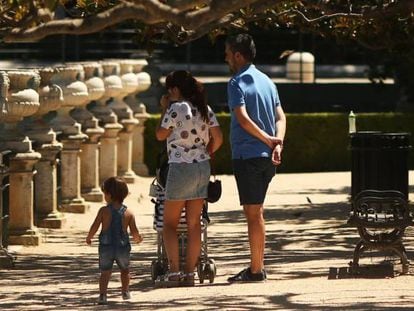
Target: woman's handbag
[
  {"x": 214, "y": 190},
  {"x": 214, "y": 187}
]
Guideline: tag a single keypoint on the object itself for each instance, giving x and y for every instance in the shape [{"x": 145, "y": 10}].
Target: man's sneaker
[
  {"x": 247, "y": 276},
  {"x": 102, "y": 300},
  {"x": 126, "y": 295}
]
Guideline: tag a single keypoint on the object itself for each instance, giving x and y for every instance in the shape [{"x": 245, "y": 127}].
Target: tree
[
  {"x": 376, "y": 24},
  {"x": 386, "y": 26}
]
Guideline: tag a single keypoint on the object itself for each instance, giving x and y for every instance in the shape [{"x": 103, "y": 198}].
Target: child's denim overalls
[{"x": 114, "y": 242}]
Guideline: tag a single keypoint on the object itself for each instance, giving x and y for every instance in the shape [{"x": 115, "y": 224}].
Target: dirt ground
[{"x": 308, "y": 250}]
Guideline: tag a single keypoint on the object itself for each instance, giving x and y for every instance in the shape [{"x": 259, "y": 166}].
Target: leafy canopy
[{"x": 377, "y": 24}]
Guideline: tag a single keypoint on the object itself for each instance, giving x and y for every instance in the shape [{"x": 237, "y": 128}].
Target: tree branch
[
  {"x": 122, "y": 12},
  {"x": 194, "y": 18},
  {"x": 149, "y": 12},
  {"x": 405, "y": 7},
  {"x": 184, "y": 5},
  {"x": 205, "y": 29},
  {"x": 218, "y": 8},
  {"x": 324, "y": 17}
]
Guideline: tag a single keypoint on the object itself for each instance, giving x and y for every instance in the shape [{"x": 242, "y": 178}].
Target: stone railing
[{"x": 85, "y": 116}]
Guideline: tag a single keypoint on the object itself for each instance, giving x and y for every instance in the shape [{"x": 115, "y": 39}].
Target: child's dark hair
[
  {"x": 191, "y": 89},
  {"x": 116, "y": 187}
]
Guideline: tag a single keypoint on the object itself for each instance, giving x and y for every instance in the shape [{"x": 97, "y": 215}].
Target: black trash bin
[{"x": 379, "y": 162}]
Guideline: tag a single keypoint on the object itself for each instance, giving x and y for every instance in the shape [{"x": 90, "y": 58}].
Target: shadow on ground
[{"x": 318, "y": 234}]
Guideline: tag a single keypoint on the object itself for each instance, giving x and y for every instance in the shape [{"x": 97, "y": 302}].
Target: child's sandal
[
  {"x": 188, "y": 279},
  {"x": 170, "y": 279},
  {"x": 174, "y": 276}
]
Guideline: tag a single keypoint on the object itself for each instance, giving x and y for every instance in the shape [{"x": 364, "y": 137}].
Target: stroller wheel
[
  {"x": 156, "y": 269},
  {"x": 213, "y": 263},
  {"x": 200, "y": 272},
  {"x": 209, "y": 272}
]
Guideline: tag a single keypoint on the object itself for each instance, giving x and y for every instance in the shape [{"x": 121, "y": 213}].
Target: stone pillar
[
  {"x": 38, "y": 130},
  {"x": 108, "y": 120},
  {"x": 21, "y": 226},
  {"x": 108, "y": 157},
  {"x": 139, "y": 110},
  {"x": 75, "y": 93},
  {"x": 151, "y": 97},
  {"x": 6, "y": 259},
  {"x": 300, "y": 67},
  {"x": 90, "y": 189},
  {"x": 127, "y": 120},
  {"x": 20, "y": 100},
  {"x": 70, "y": 177},
  {"x": 138, "y": 145},
  {"x": 47, "y": 214}
]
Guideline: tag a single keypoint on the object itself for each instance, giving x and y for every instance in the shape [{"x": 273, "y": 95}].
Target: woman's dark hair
[
  {"x": 244, "y": 44},
  {"x": 116, "y": 187},
  {"x": 191, "y": 89}
]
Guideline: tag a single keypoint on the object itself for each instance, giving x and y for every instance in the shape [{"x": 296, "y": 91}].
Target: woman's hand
[
  {"x": 138, "y": 238},
  {"x": 164, "y": 102}
]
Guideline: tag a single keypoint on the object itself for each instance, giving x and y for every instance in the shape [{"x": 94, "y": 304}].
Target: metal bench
[{"x": 381, "y": 218}]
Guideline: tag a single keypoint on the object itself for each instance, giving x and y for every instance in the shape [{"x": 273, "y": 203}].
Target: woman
[{"x": 192, "y": 134}]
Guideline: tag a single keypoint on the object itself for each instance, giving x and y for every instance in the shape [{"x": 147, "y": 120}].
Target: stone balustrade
[
  {"x": 126, "y": 119},
  {"x": 45, "y": 142},
  {"x": 20, "y": 98},
  {"x": 140, "y": 113},
  {"x": 90, "y": 189},
  {"x": 67, "y": 128}
]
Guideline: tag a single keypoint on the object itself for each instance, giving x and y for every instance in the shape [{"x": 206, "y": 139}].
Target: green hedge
[{"x": 314, "y": 142}]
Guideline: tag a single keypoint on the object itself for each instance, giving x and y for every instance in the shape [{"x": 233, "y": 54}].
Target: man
[{"x": 258, "y": 126}]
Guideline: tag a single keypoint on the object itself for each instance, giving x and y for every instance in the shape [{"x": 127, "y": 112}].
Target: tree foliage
[{"x": 377, "y": 24}]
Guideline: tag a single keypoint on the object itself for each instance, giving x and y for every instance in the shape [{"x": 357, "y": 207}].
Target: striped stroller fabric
[
  {"x": 159, "y": 194},
  {"x": 206, "y": 267}
]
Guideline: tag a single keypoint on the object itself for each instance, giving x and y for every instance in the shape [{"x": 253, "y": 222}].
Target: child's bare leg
[
  {"x": 125, "y": 280},
  {"x": 104, "y": 280}
]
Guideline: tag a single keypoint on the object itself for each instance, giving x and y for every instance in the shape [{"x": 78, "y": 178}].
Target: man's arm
[
  {"x": 280, "y": 135},
  {"x": 250, "y": 127},
  {"x": 280, "y": 123}
]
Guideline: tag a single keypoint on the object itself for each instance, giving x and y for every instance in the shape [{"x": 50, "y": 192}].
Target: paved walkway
[{"x": 307, "y": 254}]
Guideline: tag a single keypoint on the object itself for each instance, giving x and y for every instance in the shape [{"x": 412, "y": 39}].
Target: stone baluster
[
  {"x": 151, "y": 97},
  {"x": 44, "y": 142},
  {"x": 75, "y": 93},
  {"x": 6, "y": 259},
  {"x": 90, "y": 189},
  {"x": 108, "y": 155},
  {"x": 19, "y": 98},
  {"x": 139, "y": 109},
  {"x": 127, "y": 120},
  {"x": 138, "y": 142}
]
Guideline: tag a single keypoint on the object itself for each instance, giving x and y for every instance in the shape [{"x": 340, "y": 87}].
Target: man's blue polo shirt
[{"x": 255, "y": 90}]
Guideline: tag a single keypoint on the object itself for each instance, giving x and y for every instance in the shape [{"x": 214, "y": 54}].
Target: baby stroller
[{"x": 206, "y": 267}]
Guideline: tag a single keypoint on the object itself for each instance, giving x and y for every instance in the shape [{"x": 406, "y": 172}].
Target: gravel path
[{"x": 307, "y": 253}]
